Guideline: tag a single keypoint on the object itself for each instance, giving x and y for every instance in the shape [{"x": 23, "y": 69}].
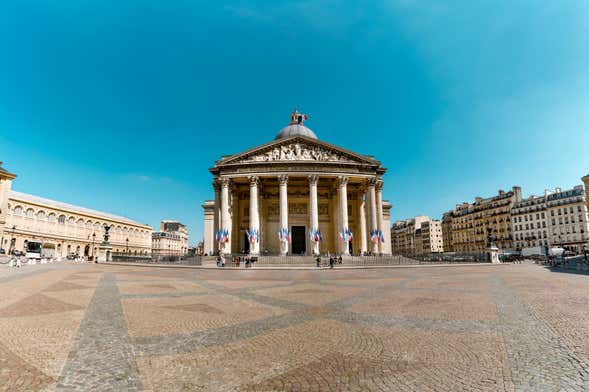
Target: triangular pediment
[{"x": 297, "y": 149}]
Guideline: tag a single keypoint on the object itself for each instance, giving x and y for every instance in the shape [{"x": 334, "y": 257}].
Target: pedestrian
[
  {"x": 318, "y": 261},
  {"x": 339, "y": 260},
  {"x": 331, "y": 262}
]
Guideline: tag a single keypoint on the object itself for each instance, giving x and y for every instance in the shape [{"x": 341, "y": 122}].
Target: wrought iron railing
[{"x": 158, "y": 259}]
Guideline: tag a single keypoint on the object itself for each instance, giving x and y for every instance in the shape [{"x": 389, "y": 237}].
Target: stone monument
[
  {"x": 492, "y": 249},
  {"x": 105, "y": 249}
]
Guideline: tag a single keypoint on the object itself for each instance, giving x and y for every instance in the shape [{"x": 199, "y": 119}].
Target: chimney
[{"x": 517, "y": 193}]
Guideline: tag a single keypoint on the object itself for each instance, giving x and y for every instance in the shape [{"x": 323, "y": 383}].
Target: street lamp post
[
  {"x": 12, "y": 240},
  {"x": 127, "y": 240},
  {"x": 93, "y": 239}
]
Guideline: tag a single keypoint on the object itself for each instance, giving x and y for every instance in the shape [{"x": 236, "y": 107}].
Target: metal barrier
[
  {"x": 157, "y": 259},
  {"x": 376, "y": 260}
]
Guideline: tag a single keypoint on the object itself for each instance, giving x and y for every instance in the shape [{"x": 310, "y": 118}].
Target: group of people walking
[
  {"x": 332, "y": 261},
  {"x": 248, "y": 260}
]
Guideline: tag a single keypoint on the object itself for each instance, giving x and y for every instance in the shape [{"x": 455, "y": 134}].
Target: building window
[
  {"x": 543, "y": 216},
  {"x": 41, "y": 215},
  {"x": 51, "y": 218},
  {"x": 571, "y": 209},
  {"x": 30, "y": 213},
  {"x": 18, "y": 210},
  {"x": 61, "y": 219}
]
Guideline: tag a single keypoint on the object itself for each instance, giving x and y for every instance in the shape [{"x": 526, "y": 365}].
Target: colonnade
[{"x": 370, "y": 203}]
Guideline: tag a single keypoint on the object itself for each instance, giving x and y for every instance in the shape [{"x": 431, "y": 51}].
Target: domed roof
[
  {"x": 295, "y": 130},
  {"x": 296, "y": 127}
]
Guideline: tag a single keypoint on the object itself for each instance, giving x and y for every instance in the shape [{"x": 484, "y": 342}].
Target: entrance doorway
[
  {"x": 246, "y": 243},
  {"x": 299, "y": 243}
]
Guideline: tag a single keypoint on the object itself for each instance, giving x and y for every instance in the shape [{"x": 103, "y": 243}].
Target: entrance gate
[{"x": 299, "y": 242}]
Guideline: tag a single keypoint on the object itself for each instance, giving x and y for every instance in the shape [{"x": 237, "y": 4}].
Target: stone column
[
  {"x": 216, "y": 214},
  {"x": 226, "y": 223},
  {"x": 342, "y": 188},
  {"x": 379, "y": 219},
  {"x": 283, "y": 179},
  {"x": 362, "y": 221},
  {"x": 313, "y": 210},
  {"x": 254, "y": 214},
  {"x": 372, "y": 209}
]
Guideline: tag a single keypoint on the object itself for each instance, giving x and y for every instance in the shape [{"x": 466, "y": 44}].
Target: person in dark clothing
[
  {"x": 318, "y": 261},
  {"x": 339, "y": 260},
  {"x": 331, "y": 262}
]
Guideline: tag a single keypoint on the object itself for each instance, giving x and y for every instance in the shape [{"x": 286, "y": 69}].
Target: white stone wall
[{"x": 69, "y": 230}]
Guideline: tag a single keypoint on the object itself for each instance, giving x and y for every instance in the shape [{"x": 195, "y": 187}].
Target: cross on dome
[
  {"x": 296, "y": 127},
  {"x": 297, "y": 118}
]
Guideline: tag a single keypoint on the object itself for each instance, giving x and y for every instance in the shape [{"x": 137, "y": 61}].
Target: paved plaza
[{"x": 461, "y": 328}]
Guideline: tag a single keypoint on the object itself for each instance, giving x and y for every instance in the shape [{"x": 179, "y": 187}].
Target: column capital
[
  {"x": 224, "y": 181},
  {"x": 253, "y": 180},
  {"x": 283, "y": 179},
  {"x": 370, "y": 182},
  {"x": 379, "y": 184},
  {"x": 342, "y": 181},
  {"x": 216, "y": 184},
  {"x": 313, "y": 179}
]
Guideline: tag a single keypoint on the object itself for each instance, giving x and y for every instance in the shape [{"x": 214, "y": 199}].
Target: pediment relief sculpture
[{"x": 297, "y": 152}]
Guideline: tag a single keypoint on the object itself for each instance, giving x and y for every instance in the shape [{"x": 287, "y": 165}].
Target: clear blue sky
[{"x": 122, "y": 106}]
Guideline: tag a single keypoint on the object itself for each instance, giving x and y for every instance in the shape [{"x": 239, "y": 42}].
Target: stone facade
[
  {"x": 63, "y": 228},
  {"x": 470, "y": 222},
  {"x": 528, "y": 222},
  {"x": 302, "y": 187},
  {"x": 170, "y": 240},
  {"x": 431, "y": 237},
  {"x": 568, "y": 220},
  {"x": 417, "y": 235},
  {"x": 585, "y": 180},
  {"x": 447, "y": 232}
]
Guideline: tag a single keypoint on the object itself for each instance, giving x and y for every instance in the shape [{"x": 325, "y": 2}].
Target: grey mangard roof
[{"x": 25, "y": 197}]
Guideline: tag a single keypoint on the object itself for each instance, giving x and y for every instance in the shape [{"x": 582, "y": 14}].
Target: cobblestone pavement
[{"x": 91, "y": 327}]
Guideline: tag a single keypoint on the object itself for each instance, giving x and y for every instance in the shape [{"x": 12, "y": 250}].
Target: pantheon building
[{"x": 297, "y": 195}]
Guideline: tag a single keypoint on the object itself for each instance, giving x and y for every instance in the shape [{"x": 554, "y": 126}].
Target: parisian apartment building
[
  {"x": 170, "y": 240},
  {"x": 418, "y": 235},
  {"x": 469, "y": 225},
  {"x": 557, "y": 218}
]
